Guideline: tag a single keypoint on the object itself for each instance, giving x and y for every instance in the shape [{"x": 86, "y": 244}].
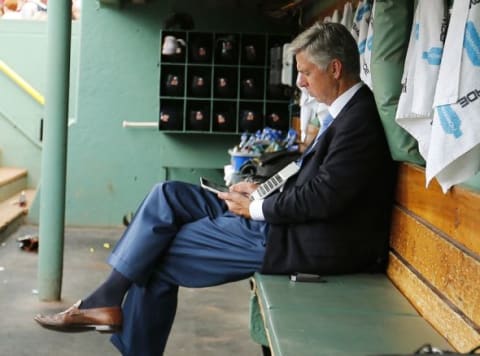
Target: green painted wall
[
  {"x": 110, "y": 168},
  {"x": 23, "y": 49}
]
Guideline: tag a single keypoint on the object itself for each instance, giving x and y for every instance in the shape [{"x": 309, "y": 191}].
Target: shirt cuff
[{"x": 256, "y": 211}]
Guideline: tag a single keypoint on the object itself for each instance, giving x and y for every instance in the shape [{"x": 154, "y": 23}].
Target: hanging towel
[
  {"x": 451, "y": 63},
  {"x": 365, "y": 72},
  {"x": 336, "y": 16},
  {"x": 355, "y": 31},
  {"x": 308, "y": 107},
  {"x": 347, "y": 15},
  {"x": 360, "y": 27},
  {"x": 454, "y": 154},
  {"x": 420, "y": 73}
]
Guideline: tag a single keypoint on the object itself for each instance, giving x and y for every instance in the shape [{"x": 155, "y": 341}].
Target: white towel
[
  {"x": 454, "y": 154},
  {"x": 420, "y": 73},
  {"x": 365, "y": 72},
  {"x": 347, "y": 15},
  {"x": 451, "y": 62},
  {"x": 355, "y": 31},
  {"x": 336, "y": 16},
  {"x": 308, "y": 107},
  {"x": 360, "y": 27}
]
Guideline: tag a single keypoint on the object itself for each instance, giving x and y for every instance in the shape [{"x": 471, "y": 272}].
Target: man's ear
[{"x": 336, "y": 68}]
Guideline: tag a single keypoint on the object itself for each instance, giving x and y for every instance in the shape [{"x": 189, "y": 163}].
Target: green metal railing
[{"x": 21, "y": 130}]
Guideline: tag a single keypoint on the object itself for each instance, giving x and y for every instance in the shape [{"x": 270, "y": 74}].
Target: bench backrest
[{"x": 434, "y": 258}]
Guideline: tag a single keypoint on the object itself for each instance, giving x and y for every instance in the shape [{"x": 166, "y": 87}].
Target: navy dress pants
[{"x": 181, "y": 235}]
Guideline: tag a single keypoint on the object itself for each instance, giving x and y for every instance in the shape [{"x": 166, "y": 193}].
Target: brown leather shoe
[{"x": 104, "y": 320}]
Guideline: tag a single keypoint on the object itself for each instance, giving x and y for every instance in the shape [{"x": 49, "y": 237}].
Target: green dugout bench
[
  {"x": 429, "y": 295},
  {"x": 345, "y": 315}
]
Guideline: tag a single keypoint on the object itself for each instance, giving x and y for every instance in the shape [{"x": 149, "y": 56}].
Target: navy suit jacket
[{"x": 333, "y": 216}]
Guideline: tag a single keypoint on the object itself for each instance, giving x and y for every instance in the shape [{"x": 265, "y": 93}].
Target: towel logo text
[
  {"x": 365, "y": 9},
  {"x": 469, "y": 98},
  {"x": 449, "y": 121},
  {"x": 471, "y": 43},
  {"x": 433, "y": 56}
]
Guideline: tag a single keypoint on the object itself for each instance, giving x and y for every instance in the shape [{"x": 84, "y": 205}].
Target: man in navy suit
[{"x": 330, "y": 218}]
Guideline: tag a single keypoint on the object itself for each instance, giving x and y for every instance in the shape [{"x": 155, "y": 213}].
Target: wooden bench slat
[
  {"x": 455, "y": 213},
  {"x": 450, "y": 324},
  {"x": 448, "y": 268}
]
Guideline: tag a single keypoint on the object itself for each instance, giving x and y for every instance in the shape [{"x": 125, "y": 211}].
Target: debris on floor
[
  {"x": 28, "y": 243},
  {"x": 22, "y": 199},
  {"x": 127, "y": 218}
]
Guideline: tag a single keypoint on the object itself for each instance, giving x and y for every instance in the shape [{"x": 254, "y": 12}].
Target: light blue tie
[{"x": 325, "y": 122}]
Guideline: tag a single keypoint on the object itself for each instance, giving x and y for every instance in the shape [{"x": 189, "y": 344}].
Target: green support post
[{"x": 54, "y": 154}]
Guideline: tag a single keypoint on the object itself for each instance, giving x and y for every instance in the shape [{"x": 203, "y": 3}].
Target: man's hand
[{"x": 238, "y": 199}]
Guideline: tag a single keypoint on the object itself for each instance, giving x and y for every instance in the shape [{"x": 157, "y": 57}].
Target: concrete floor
[{"x": 210, "y": 321}]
